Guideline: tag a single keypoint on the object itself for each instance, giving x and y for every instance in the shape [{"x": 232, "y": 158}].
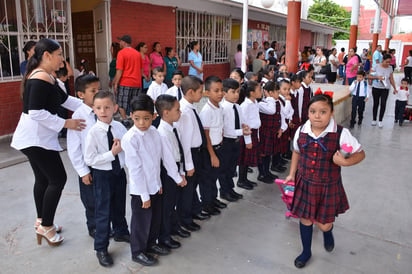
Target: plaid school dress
[
  {"x": 250, "y": 157},
  {"x": 284, "y": 139},
  {"x": 269, "y": 143},
  {"x": 295, "y": 118},
  {"x": 319, "y": 194},
  {"x": 307, "y": 94}
]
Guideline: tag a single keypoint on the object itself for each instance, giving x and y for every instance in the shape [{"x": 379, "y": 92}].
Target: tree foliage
[{"x": 332, "y": 14}]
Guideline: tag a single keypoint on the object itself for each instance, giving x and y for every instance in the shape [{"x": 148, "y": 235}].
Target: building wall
[
  {"x": 10, "y": 106},
  {"x": 306, "y": 39}
]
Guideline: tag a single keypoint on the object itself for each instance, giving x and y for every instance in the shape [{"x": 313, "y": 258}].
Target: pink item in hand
[{"x": 346, "y": 150}]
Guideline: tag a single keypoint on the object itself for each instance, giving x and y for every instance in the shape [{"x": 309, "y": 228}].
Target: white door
[{"x": 102, "y": 33}]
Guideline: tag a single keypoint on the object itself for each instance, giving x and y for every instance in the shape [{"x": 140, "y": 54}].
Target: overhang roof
[{"x": 396, "y": 7}]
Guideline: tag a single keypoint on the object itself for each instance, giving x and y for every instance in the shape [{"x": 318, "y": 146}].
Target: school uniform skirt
[
  {"x": 268, "y": 141},
  {"x": 318, "y": 202},
  {"x": 249, "y": 157},
  {"x": 284, "y": 142}
]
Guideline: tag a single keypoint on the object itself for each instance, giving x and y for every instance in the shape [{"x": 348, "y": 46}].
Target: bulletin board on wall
[{"x": 257, "y": 35}]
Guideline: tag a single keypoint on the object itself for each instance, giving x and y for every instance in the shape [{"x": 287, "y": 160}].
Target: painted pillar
[
  {"x": 388, "y": 33},
  {"x": 376, "y": 29},
  {"x": 244, "y": 35},
  {"x": 354, "y": 22},
  {"x": 293, "y": 35}
]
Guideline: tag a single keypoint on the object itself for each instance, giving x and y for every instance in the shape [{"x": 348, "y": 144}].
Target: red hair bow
[{"x": 328, "y": 93}]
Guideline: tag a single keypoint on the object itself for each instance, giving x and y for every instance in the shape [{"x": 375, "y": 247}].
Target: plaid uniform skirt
[
  {"x": 249, "y": 157},
  {"x": 320, "y": 202},
  {"x": 268, "y": 142},
  {"x": 284, "y": 142}
]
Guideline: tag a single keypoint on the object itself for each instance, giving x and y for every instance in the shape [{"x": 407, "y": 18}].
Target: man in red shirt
[{"x": 127, "y": 82}]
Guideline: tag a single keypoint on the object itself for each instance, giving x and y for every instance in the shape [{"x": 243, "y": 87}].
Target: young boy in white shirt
[
  {"x": 168, "y": 108},
  {"x": 144, "y": 155},
  {"x": 176, "y": 90},
  {"x": 103, "y": 153},
  {"x": 402, "y": 98},
  {"x": 233, "y": 129},
  {"x": 157, "y": 87},
  {"x": 86, "y": 87},
  {"x": 359, "y": 91},
  {"x": 194, "y": 143},
  {"x": 212, "y": 121}
]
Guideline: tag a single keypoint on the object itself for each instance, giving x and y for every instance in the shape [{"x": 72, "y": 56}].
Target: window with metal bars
[
  {"x": 211, "y": 31},
  {"x": 30, "y": 20}
]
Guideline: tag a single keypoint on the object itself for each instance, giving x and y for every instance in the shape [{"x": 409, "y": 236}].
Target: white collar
[{"x": 331, "y": 127}]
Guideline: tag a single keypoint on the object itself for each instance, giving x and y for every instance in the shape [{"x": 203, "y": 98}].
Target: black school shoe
[
  {"x": 235, "y": 194},
  {"x": 181, "y": 232},
  {"x": 170, "y": 244},
  {"x": 122, "y": 238},
  {"x": 144, "y": 259},
  {"x": 228, "y": 197},
  {"x": 104, "y": 258},
  {"x": 278, "y": 168},
  {"x": 191, "y": 227},
  {"x": 210, "y": 209},
  {"x": 159, "y": 250},
  {"x": 245, "y": 185},
  {"x": 201, "y": 216},
  {"x": 219, "y": 204}
]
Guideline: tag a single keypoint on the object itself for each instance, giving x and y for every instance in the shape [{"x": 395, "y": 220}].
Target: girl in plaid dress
[
  {"x": 250, "y": 143},
  {"x": 319, "y": 195},
  {"x": 271, "y": 129},
  {"x": 295, "y": 84}
]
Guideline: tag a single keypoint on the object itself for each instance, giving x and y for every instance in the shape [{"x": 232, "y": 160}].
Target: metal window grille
[
  {"x": 25, "y": 20},
  {"x": 211, "y": 31}
]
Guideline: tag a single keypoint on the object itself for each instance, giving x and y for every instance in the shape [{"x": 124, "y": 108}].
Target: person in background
[
  {"x": 146, "y": 75},
  {"x": 377, "y": 56},
  {"x": 156, "y": 58},
  {"x": 172, "y": 61},
  {"x": 393, "y": 61},
  {"x": 259, "y": 62},
  {"x": 28, "y": 50},
  {"x": 195, "y": 60},
  {"x": 334, "y": 63},
  {"x": 408, "y": 67},
  {"x": 238, "y": 57},
  {"x": 341, "y": 63},
  {"x": 114, "y": 50},
  {"x": 351, "y": 66},
  {"x": 251, "y": 54}
]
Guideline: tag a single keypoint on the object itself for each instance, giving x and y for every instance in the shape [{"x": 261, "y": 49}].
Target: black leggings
[
  {"x": 379, "y": 95},
  {"x": 50, "y": 178}
]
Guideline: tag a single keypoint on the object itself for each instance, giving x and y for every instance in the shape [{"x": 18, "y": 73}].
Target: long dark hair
[{"x": 41, "y": 47}]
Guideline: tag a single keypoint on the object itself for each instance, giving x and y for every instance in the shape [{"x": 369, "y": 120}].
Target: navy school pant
[
  {"x": 189, "y": 203},
  {"x": 231, "y": 153},
  {"x": 87, "y": 198},
  {"x": 209, "y": 176},
  {"x": 170, "y": 197},
  {"x": 110, "y": 205},
  {"x": 358, "y": 106},
  {"x": 145, "y": 223}
]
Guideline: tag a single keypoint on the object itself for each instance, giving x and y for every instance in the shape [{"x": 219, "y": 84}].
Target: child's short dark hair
[
  {"x": 142, "y": 102},
  {"x": 321, "y": 98},
  {"x": 248, "y": 87},
  {"x": 164, "y": 102},
  {"x": 62, "y": 72},
  {"x": 191, "y": 82},
  {"x": 104, "y": 94},
  {"x": 178, "y": 72},
  {"x": 157, "y": 70},
  {"x": 405, "y": 80},
  {"x": 210, "y": 80},
  {"x": 271, "y": 86},
  {"x": 361, "y": 72},
  {"x": 230, "y": 83},
  {"x": 294, "y": 77},
  {"x": 83, "y": 81}
]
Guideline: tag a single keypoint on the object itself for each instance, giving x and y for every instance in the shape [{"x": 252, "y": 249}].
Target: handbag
[{"x": 325, "y": 69}]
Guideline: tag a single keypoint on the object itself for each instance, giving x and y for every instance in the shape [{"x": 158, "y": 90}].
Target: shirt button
[
  {"x": 312, "y": 170},
  {"x": 313, "y": 162},
  {"x": 316, "y": 145},
  {"x": 314, "y": 154}
]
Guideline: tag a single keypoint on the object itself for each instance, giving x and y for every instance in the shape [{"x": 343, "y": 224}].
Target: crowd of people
[{"x": 266, "y": 119}]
